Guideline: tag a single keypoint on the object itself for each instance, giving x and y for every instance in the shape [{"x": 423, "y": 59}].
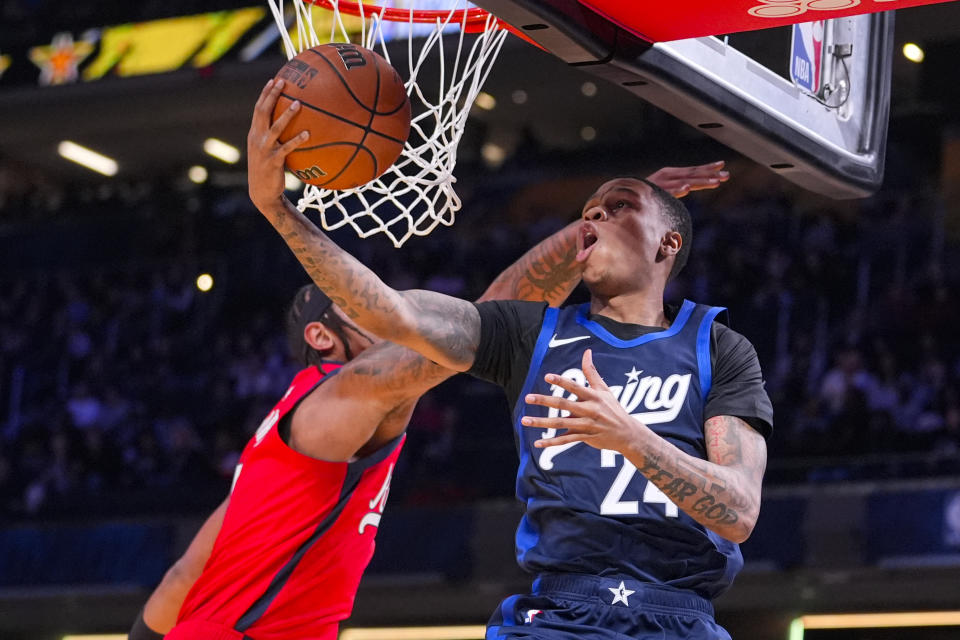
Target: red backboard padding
[{"x": 663, "y": 20}]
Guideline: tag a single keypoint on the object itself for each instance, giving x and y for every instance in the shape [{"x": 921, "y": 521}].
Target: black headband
[{"x": 315, "y": 304}]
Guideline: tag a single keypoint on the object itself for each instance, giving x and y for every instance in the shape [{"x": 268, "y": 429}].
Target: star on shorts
[{"x": 620, "y": 594}]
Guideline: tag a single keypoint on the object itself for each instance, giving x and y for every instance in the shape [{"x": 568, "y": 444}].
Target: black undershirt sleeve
[
  {"x": 737, "y": 388},
  {"x": 508, "y": 336}
]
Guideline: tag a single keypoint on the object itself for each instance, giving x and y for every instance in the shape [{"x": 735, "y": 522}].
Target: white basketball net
[{"x": 416, "y": 193}]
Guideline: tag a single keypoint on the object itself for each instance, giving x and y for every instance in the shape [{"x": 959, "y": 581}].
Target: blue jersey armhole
[
  {"x": 527, "y": 536},
  {"x": 703, "y": 351},
  {"x": 539, "y": 351}
]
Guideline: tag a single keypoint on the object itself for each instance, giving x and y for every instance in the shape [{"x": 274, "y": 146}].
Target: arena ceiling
[{"x": 155, "y": 125}]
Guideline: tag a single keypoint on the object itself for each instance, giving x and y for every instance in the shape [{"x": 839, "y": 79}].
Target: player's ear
[
  {"x": 319, "y": 337},
  {"x": 670, "y": 243}
]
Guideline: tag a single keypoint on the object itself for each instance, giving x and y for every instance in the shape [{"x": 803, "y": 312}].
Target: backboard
[{"x": 824, "y": 128}]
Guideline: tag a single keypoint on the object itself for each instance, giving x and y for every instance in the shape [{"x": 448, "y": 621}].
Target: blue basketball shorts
[{"x": 578, "y": 607}]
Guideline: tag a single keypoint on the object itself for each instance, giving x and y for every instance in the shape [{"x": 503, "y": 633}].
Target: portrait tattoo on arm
[{"x": 548, "y": 272}]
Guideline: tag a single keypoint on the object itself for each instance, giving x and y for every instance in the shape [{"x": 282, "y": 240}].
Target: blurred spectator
[{"x": 85, "y": 409}]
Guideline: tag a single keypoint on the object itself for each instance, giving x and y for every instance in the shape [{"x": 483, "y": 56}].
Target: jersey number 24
[{"x": 613, "y": 503}]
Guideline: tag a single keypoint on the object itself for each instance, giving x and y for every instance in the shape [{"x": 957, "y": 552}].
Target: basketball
[{"x": 356, "y": 109}]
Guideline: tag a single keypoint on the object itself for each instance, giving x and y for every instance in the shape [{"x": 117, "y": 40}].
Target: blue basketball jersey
[{"x": 589, "y": 511}]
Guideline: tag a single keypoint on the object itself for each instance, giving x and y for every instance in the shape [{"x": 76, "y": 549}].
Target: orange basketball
[{"x": 356, "y": 109}]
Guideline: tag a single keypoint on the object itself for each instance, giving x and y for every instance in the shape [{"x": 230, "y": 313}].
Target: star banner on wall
[{"x": 60, "y": 60}]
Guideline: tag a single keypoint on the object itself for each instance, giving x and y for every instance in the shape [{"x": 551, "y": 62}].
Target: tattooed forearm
[
  {"x": 389, "y": 371},
  {"x": 350, "y": 284},
  {"x": 721, "y": 493},
  {"x": 429, "y": 323},
  {"x": 697, "y": 494},
  {"x": 547, "y": 272}
]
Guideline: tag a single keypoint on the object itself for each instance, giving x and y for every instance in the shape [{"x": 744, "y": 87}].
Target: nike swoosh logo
[{"x": 554, "y": 342}]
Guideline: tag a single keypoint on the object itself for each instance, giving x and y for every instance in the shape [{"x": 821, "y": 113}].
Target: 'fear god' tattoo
[{"x": 723, "y": 492}]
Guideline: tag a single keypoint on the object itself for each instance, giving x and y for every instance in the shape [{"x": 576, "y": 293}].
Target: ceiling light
[
  {"x": 197, "y": 174},
  {"x": 913, "y": 52},
  {"x": 221, "y": 150},
  {"x": 493, "y": 154},
  {"x": 204, "y": 282},
  {"x": 519, "y": 96},
  {"x": 87, "y": 158},
  {"x": 588, "y": 89},
  {"x": 485, "y": 101},
  {"x": 588, "y": 133}
]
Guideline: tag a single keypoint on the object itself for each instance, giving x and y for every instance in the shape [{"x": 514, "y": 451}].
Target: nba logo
[{"x": 806, "y": 58}]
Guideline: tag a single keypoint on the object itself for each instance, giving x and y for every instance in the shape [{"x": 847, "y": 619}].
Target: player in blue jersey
[{"x": 637, "y": 489}]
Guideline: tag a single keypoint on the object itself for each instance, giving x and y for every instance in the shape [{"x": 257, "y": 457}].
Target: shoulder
[{"x": 730, "y": 341}]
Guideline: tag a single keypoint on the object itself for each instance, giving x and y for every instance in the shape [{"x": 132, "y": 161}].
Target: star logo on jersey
[
  {"x": 620, "y": 594},
  {"x": 60, "y": 60},
  {"x": 633, "y": 375}
]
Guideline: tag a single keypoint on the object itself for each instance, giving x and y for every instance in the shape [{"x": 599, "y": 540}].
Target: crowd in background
[{"x": 123, "y": 388}]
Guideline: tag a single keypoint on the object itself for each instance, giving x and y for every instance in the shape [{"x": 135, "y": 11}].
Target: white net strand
[{"x": 416, "y": 194}]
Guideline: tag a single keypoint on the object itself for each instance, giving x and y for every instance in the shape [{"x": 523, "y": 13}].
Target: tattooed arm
[
  {"x": 722, "y": 492},
  {"x": 442, "y": 328},
  {"x": 377, "y": 390},
  {"x": 547, "y": 273}
]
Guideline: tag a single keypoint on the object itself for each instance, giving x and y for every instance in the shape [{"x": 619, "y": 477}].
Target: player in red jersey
[{"x": 283, "y": 556}]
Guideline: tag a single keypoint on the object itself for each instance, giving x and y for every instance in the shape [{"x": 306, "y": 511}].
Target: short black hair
[{"x": 678, "y": 218}]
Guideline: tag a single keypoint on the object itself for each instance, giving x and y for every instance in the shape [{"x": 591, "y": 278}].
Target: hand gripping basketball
[
  {"x": 356, "y": 108},
  {"x": 265, "y": 154}
]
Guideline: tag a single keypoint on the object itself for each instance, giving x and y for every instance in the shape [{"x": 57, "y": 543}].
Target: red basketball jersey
[{"x": 296, "y": 537}]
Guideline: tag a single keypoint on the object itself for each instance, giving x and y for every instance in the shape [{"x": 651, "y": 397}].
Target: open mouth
[{"x": 588, "y": 240}]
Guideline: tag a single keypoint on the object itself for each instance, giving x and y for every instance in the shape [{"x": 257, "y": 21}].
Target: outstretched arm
[
  {"x": 442, "y": 328},
  {"x": 722, "y": 492},
  {"x": 160, "y": 613},
  {"x": 382, "y": 384}
]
